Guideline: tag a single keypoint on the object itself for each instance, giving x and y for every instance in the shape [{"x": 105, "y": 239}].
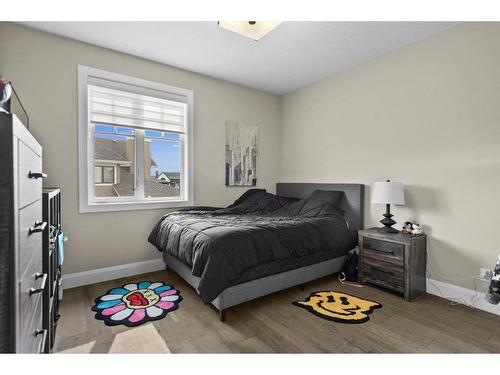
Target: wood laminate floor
[{"x": 272, "y": 324}]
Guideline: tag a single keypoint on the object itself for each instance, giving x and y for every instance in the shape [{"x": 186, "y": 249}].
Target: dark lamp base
[
  {"x": 388, "y": 230},
  {"x": 388, "y": 222}
]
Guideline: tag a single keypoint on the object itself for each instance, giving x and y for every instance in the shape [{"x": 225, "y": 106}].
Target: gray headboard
[{"x": 352, "y": 203}]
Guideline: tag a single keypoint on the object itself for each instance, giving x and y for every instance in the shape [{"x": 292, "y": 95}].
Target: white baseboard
[
  {"x": 462, "y": 295},
  {"x": 73, "y": 280}
]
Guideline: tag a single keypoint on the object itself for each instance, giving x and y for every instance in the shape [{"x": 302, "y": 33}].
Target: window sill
[{"x": 132, "y": 206}]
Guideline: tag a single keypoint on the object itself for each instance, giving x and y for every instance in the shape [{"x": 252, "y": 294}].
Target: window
[
  {"x": 104, "y": 174},
  {"x": 135, "y": 143}
]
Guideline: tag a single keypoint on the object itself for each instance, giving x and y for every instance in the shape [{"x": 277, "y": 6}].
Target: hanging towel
[{"x": 61, "y": 239}]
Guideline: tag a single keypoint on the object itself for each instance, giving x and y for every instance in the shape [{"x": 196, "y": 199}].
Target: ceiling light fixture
[{"x": 251, "y": 29}]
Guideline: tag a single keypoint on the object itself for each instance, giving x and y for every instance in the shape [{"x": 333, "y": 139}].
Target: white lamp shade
[{"x": 388, "y": 192}]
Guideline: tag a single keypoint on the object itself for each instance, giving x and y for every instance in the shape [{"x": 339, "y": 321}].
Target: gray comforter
[{"x": 222, "y": 244}]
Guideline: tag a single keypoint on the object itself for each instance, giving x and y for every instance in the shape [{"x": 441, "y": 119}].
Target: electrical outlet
[{"x": 485, "y": 273}]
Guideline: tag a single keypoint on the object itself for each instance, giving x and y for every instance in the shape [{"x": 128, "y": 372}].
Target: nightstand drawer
[
  {"x": 384, "y": 274},
  {"x": 383, "y": 256},
  {"x": 393, "y": 252}
]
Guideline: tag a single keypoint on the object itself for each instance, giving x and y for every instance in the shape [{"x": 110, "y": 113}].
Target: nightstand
[{"x": 393, "y": 261}]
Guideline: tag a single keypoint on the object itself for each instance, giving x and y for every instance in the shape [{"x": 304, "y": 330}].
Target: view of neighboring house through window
[
  {"x": 164, "y": 179},
  {"x": 114, "y": 149},
  {"x": 137, "y": 148}
]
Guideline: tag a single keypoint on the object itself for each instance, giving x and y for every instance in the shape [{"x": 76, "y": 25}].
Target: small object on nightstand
[
  {"x": 388, "y": 193},
  {"x": 417, "y": 229},
  {"x": 393, "y": 261},
  {"x": 407, "y": 228}
]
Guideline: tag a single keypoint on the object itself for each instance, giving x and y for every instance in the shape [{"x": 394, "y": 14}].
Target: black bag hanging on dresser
[{"x": 349, "y": 271}]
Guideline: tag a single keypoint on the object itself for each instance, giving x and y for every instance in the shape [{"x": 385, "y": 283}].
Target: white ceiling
[{"x": 293, "y": 55}]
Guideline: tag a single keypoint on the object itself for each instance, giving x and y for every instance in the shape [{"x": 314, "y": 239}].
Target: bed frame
[{"x": 352, "y": 203}]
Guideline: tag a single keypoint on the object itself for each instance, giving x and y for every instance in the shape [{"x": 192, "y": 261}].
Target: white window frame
[{"x": 87, "y": 201}]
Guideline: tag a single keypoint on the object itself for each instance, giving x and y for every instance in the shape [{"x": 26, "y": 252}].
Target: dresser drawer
[
  {"x": 384, "y": 274},
  {"x": 29, "y": 188},
  {"x": 388, "y": 251},
  {"x": 32, "y": 334},
  {"x": 31, "y": 289},
  {"x": 30, "y": 236}
]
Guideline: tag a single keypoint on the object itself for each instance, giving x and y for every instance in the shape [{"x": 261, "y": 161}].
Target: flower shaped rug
[{"x": 136, "y": 303}]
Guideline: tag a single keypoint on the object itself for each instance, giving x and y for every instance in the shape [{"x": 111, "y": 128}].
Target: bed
[{"x": 262, "y": 243}]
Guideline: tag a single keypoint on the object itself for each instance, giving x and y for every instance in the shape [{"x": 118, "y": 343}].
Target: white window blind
[{"x": 128, "y": 108}]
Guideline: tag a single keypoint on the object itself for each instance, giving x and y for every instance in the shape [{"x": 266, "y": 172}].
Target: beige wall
[
  {"x": 43, "y": 69},
  {"x": 427, "y": 115}
]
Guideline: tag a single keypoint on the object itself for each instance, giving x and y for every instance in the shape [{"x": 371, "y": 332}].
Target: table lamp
[{"x": 388, "y": 192}]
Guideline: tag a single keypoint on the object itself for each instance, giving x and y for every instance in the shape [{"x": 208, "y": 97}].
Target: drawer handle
[
  {"x": 37, "y": 175},
  {"x": 42, "y": 332},
  {"x": 381, "y": 250},
  {"x": 384, "y": 270},
  {"x": 42, "y": 284},
  {"x": 38, "y": 227}
]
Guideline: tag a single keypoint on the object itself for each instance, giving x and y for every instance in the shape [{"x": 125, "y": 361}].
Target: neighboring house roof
[
  {"x": 170, "y": 175},
  {"x": 173, "y": 175},
  {"x": 152, "y": 188},
  {"x": 162, "y": 176},
  {"x": 109, "y": 149},
  {"x": 156, "y": 189}
]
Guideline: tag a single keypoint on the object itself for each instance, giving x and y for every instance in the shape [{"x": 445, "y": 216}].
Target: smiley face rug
[
  {"x": 338, "y": 306},
  {"x": 136, "y": 303}
]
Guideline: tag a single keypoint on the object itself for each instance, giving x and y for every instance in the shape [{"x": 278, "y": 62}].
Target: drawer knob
[
  {"x": 41, "y": 288},
  {"x": 44, "y": 333},
  {"x": 38, "y": 227},
  {"x": 40, "y": 332},
  {"x": 37, "y": 175}
]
